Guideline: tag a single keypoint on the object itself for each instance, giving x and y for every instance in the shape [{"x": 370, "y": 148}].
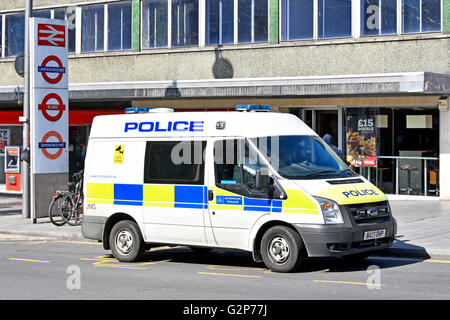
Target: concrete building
[{"x": 376, "y": 68}]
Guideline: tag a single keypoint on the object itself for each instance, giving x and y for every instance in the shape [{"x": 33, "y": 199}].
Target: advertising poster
[{"x": 361, "y": 137}]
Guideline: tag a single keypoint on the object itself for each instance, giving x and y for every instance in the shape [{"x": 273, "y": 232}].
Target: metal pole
[{"x": 25, "y": 177}]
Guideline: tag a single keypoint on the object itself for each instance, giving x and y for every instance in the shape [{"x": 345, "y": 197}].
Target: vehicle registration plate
[{"x": 374, "y": 234}]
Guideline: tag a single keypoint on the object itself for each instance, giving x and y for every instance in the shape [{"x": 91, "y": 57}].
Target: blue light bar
[
  {"x": 249, "y": 107},
  {"x": 137, "y": 109}
]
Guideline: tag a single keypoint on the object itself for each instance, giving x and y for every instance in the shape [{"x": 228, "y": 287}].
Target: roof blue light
[
  {"x": 249, "y": 107},
  {"x": 137, "y": 109}
]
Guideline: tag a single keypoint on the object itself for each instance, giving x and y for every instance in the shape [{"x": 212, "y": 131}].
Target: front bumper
[{"x": 339, "y": 240}]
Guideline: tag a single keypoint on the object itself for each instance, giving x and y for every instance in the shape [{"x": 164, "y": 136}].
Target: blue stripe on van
[{"x": 129, "y": 194}]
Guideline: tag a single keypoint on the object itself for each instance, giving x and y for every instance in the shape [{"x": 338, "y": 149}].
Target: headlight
[{"x": 330, "y": 211}]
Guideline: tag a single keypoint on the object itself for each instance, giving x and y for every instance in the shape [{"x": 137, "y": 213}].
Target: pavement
[{"x": 423, "y": 226}]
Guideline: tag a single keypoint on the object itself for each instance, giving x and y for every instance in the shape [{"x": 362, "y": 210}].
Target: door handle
[{"x": 210, "y": 195}]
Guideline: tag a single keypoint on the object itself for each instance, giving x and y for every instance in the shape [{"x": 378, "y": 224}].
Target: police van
[{"x": 251, "y": 180}]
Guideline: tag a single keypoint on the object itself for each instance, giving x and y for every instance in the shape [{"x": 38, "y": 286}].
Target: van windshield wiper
[{"x": 320, "y": 173}]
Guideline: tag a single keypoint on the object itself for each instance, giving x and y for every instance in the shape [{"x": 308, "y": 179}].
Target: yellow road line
[
  {"x": 28, "y": 260},
  {"x": 229, "y": 275},
  {"x": 349, "y": 282},
  {"x": 410, "y": 259}
]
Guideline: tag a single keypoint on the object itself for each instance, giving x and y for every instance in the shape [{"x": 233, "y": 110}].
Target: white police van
[{"x": 262, "y": 182}]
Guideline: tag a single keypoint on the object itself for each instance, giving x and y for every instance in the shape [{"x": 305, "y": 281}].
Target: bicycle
[
  {"x": 74, "y": 201},
  {"x": 67, "y": 205}
]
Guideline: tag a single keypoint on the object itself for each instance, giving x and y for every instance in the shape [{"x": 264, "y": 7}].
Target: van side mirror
[{"x": 261, "y": 178}]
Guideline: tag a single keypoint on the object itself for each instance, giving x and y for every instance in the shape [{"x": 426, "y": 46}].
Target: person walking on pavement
[{"x": 329, "y": 140}]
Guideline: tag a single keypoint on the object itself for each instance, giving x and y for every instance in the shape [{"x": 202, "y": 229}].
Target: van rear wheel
[
  {"x": 282, "y": 249},
  {"x": 126, "y": 241}
]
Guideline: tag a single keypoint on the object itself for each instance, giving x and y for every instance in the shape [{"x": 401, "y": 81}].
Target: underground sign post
[{"x": 49, "y": 111}]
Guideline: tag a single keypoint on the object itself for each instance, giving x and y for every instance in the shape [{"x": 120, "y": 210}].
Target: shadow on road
[{"x": 241, "y": 259}]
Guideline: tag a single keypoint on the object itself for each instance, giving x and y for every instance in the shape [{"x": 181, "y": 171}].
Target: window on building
[
  {"x": 174, "y": 162},
  {"x": 184, "y": 23},
  {"x": 421, "y": 16},
  {"x": 14, "y": 34},
  {"x": 119, "y": 26},
  {"x": 68, "y": 14},
  {"x": 219, "y": 21},
  {"x": 252, "y": 21},
  {"x": 335, "y": 18},
  {"x": 378, "y": 17},
  {"x": 154, "y": 20},
  {"x": 42, "y": 14},
  {"x": 92, "y": 28},
  {"x": 298, "y": 19}
]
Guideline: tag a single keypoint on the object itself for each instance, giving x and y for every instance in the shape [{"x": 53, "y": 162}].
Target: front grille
[
  {"x": 370, "y": 212},
  {"x": 345, "y": 181},
  {"x": 371, "y": 243}
]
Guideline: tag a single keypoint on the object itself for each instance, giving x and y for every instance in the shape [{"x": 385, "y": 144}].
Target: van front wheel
[
  {"x": 126, "y": 241},
  {"x": 282, "y": 249}
]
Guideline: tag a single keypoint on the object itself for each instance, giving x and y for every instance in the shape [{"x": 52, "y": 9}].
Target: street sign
[
  {"x": 19, "y": 64},
  {"x": 49, "y": 96}
]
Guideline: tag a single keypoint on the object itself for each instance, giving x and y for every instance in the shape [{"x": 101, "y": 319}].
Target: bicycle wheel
[
  {"x": 71, "y": 207},
  {"x": 56, "y": 213}
]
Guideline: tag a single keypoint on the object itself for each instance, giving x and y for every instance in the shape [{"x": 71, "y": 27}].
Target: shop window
[
  {"x": 252, "y": 21},
  {"x": 298, "y": 19},
  {"x": 219, "y": 21},
  {"x": 378, "y": 17},
  {"x": 184, "y": 23},
  {"x": 14, "y": 34},
  {"x": 174, "y": 162},
  {"x": 68, "y": 14},
  {"x": 155, "y": 26},
  {"x": 335, "y": 18},
  {"x": 92, "y": 28},
  {"x": 119, "y": 26},
  {"x": 421, "y": 16}
]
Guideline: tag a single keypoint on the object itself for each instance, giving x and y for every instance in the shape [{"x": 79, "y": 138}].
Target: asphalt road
[{"x": 39, "y": 268}]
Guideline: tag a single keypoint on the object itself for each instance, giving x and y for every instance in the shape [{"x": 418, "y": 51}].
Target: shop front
[{"x": 395, "y": 147}]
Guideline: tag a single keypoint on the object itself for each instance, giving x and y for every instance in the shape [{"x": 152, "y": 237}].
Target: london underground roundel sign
[
  {"x": 48, "y": 67},
  {"x": 44, "y": 145},
  {"x": 45, "y": 107}
]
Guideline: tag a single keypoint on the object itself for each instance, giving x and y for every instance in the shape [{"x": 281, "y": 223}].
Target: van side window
[
  {"x": 174, "y": 162},
  {"x": 236, "y": 168}
]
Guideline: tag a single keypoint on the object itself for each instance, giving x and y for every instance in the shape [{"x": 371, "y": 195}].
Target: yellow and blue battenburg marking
[{"x": 193, "y": 197}]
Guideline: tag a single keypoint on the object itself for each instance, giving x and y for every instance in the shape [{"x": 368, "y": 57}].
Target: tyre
[
  {"x": 56, "y": 211},
  {"x": 126, "y": 241},
  {"x": 282, "y": 249},
  {"x": 73, "y": 216}
]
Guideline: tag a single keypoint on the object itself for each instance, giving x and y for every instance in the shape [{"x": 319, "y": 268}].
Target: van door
[
  {"x": 174, "y": 192},
  {"x": 238, "y": 192}
]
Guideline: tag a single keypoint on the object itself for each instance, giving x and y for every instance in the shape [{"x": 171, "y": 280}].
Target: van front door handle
[{"x": 210, "y": 195}]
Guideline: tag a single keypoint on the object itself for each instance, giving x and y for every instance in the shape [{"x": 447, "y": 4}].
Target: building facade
[{"x": 375, "y": 74}]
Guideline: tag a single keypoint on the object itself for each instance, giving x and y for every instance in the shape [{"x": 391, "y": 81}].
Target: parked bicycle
[{"x": 67, "y": 205}]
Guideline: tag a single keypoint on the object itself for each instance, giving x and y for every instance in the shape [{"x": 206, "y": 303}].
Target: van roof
[{"x": 198, "y": 124}]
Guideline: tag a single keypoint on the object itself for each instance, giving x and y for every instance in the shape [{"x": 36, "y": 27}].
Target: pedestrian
[{"x": 329, "y": 140}]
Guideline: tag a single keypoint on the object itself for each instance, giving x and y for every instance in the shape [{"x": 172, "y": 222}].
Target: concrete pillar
[{"x": 444, "y": 156}]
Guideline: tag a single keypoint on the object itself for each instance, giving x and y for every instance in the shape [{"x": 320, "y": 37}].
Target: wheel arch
[
  {"x": 256, "y": 245},
  {"x": 112, "y": 220}
]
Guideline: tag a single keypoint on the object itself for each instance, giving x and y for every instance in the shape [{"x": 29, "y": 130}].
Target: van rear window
[{"x": 174, "y": 162}]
